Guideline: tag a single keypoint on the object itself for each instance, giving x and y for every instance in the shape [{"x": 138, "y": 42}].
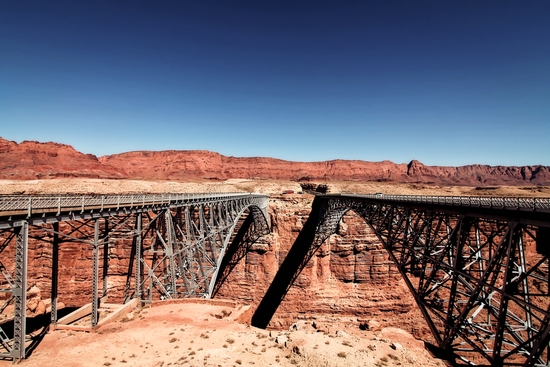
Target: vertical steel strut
[
  {"x": 20, "y": 291},
  {"x": 95, "y": 274},
  {"x": 139, "y": 259},
  {"x": 55, "y": 272}
]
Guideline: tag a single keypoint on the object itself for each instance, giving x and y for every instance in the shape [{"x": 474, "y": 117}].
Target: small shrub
[
  {"x": 192, "y": 353},
  {"x": 263, "y": 349},
  {"x": 173, "y": 340},
  {"x": 230, "y": 341},
  {"x": 238, "y": 361},
  {"x": 107, "y": 363},
  {"x": 384, "y": 359},
  {"x": 342, "y": 354},
  {"x": 225, "y": 345}
]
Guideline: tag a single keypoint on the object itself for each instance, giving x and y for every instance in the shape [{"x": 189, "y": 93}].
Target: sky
[{"x": 443, "y": 82}]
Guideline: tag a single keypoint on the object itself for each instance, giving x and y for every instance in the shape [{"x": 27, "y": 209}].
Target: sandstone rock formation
[
  {"x": 31, "y": 160},
  {"x": 350, "y": 278}
]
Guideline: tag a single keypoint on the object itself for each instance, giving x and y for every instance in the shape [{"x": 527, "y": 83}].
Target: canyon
[
  {"x": 349, "y": 284},
  {"x": 350, "y": 280},
  {"x": 35, "y": 160}
]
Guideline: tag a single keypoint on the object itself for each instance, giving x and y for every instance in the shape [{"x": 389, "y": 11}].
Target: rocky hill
[{"x": 30, "y": 160}]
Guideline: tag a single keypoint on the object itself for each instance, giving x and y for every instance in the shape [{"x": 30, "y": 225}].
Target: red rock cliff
[
  {"x": 205, "y": 164},
  {"x": 30, "y": 160}
]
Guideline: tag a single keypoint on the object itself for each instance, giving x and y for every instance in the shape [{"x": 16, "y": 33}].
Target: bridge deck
[
  {"x": 51, "y": 208},
  {"x": 525, "y": 210}
]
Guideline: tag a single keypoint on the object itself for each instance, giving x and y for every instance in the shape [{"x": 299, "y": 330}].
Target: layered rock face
[
  {"x": 205, "y": 164},
  {"x": 31, "y": 160},
  {"x": 350, "y": 278},
  {"x": 478, "y": 174}
]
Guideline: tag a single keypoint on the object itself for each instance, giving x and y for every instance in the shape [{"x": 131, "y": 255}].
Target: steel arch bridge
[
  {"x": 477, "y": 268},
  {"x": 177, "y": 242}
]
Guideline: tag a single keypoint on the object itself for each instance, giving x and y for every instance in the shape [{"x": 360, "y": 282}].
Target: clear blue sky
[{"x": 444, "y": 82}]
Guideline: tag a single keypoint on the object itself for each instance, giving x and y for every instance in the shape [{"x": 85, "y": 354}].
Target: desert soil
[
  {"x": 207, "y": 333},
  {"x": 103, "y": 186}
]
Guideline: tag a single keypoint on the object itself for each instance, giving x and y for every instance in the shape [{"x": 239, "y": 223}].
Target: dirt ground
[
  {"x": 99, "y": 186},
  {"x": 209, "y": 334}
]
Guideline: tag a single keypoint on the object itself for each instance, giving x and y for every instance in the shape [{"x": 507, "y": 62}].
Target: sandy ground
[
  {"x": 209, "y": 334},
  {"x": 98, "y": 186}
]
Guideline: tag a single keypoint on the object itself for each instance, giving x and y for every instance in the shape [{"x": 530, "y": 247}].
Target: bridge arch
[
  {"x": 193, "y": 243},
  {"x": 478, "y": 273},
  {"x": 176, "y": 243},
  {"x": 261, "y": 227}
]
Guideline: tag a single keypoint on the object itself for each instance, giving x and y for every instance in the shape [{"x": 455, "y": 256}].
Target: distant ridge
[{"x": 32, "y": 160}]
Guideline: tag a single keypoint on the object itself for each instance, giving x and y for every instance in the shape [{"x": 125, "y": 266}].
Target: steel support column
[
  {"x": 55, "y": 272},
  {"x": 105, "y": 257},
  {"x": 20, "y": 291},
  {"x": 138, "y": 256},
  {"x": 95, "y": 275}
]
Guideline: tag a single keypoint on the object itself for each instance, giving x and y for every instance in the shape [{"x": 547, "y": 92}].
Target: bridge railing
[
  {"x": 510, "y": 203},
  {"x": 31, "y": 203}
]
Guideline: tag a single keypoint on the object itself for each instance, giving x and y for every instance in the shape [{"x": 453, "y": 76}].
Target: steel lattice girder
[
  {"x": 481, "y": 284},
  {"x": 177, "y": 245}
]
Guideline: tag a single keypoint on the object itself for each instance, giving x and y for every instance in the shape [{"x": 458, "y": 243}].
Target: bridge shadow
[
  {"x": 36, "y": 328},
  {"x": 246, "y": 236},
  {"x": 300, "y": 253}
]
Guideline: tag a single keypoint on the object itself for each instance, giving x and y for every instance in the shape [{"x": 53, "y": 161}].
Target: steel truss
[
  {"x": 176, "y": 242},
  {"x": 481, "y": 280}
]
